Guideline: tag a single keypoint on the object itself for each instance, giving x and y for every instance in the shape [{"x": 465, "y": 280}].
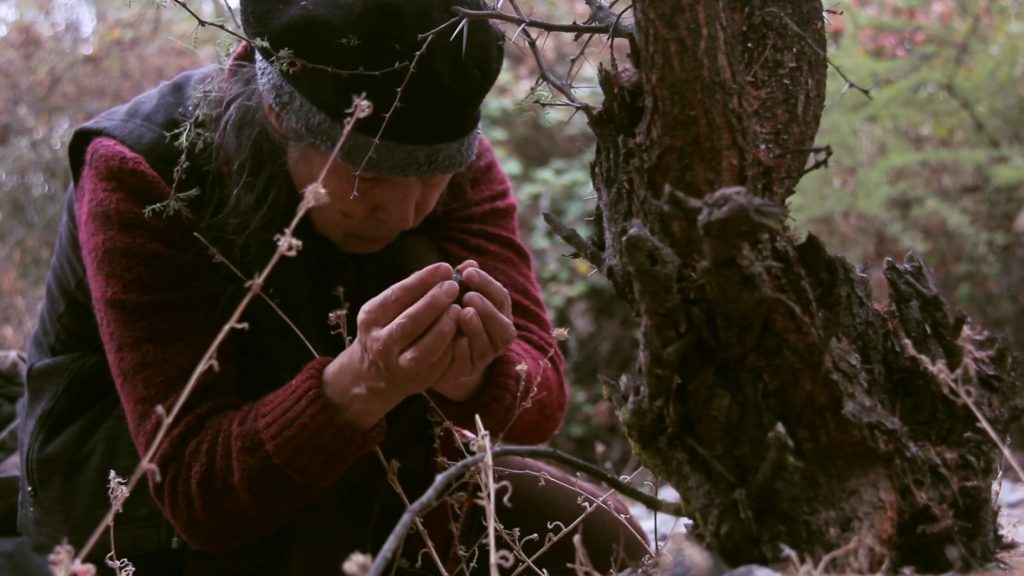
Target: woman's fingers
[
  {"x": 493, "y": 310},
  {"x": 462, "y": 380},
  {"x": 500, "y": 330},
  {"x": 479, "y": 281},
  {"x": 416, "y": 320},
  {"x": 478, "y": 343},
  {"x": 431, "y": 345},
  {"x": 391, "y": 303}
]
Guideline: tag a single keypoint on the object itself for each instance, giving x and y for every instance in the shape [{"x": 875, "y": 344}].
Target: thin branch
[
  {"x": 849, "y": 83},
  {"x": 571, "y": 237},
  {"x": 231, "y": 12},
  {"x": 546, "y": 74},
  {"x": 512, "y": 537},
  {"x": 570, "y": 75},
  {"x": 1010, "y": 457},
  {"x": 819, "y": 161},
  {"x": 431, "y": 33},
  {"x": 359, "y": 71},
  {"x": 204, "y": 23},
  {"x": 953, "y": 385},
  {"x": 443, "y": 481},
  {"x": 398, "y": 97},
  {"x": 221, "y": 258},
  {"x": 614, "y": 31},
  {"x": 487, "y": 485},
  {"x": 393, "y": 480},
  {"x": 517, "y": 549}
]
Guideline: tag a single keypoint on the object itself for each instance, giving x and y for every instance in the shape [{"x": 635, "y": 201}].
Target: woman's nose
[{"x": 397, "y": 204}]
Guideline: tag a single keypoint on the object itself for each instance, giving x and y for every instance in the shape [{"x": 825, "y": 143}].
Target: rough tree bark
[{"x": 771, "y": 393}]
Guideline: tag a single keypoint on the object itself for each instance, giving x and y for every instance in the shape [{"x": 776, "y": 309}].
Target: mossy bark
[{"x": 782, "y": 404}]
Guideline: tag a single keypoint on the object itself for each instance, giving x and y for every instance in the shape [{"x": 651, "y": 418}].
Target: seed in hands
[{"x": 457, "y": 278}]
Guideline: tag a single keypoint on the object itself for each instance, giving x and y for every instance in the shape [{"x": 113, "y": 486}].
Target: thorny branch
[
  {"x": 849, "y": 83},
  {"x": 313, "y": 195},
  {"x": 617, "y": 30},
  {"x": 398, "y": 97},
  {"x": 605, "y": 16},
  {"x": 821, "y": 155},
  {"x": 545, "y": 72},
  {"x": 571, "y": 237},
  {"x": 204, "y": 23},
  {"x": 285, "y": 58}
]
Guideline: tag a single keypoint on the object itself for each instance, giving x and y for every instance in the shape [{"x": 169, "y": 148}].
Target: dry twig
[{"x": 446, "y": 479}]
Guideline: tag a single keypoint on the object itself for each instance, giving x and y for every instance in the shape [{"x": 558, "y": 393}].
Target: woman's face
[{"x": 376, "y": 214}]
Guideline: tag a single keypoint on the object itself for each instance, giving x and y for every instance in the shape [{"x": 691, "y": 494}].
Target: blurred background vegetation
[{"x": 933, "y": 162}]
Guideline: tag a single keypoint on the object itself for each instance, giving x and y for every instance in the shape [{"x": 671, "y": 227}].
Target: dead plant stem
[
  {"x": 487, "y": 483},
  {"x": 991, "y": 432},
  {"x": 447, "y": 478},
  {"x": 221, "y": 258},
  {"x": 393, "y": 480}
]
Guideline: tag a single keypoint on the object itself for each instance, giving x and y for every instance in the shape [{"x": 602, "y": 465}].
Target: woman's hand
[
  {"x": 406, "y": 342},
  {"x": 486, "y": 330}
]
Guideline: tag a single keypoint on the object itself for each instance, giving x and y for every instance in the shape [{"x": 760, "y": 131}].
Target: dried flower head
[
  {"x": 357, "y": 564},
  {"x": 522, "y": 369},
  {"x": 315, "y": 195},
  {"x": 288, "y": 245},
  {"x": 361, "y": 107},
  {"x": 117, "y": 490}
]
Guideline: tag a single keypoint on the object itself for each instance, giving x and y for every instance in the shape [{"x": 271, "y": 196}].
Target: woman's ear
[{"x": 276, "y": 122}]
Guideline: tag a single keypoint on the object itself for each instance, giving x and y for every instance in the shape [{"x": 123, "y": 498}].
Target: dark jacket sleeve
[
  {"x": 523, "y": 396},
  {"x": 230, "y": 470}
]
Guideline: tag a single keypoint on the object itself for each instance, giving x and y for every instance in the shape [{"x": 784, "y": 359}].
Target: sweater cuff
[
  {"x": 305, "y": 434},
  {"x": 507, "y": 389}
]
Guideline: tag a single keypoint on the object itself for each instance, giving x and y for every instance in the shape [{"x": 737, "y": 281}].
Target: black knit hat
[{"x": 434, "y": 128}]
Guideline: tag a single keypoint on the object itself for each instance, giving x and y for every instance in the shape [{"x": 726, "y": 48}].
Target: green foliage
[
  {"x": 177, "y": 203},
  {"x": 935, "y": 161}
]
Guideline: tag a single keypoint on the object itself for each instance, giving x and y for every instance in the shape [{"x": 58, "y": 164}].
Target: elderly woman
[{"x": 275, "y": 465}]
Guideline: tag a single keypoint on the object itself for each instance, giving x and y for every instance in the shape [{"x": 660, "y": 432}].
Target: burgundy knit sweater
[{"x": 233, "y": 470}]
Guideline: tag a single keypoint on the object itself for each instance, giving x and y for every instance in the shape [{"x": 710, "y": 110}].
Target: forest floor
[{"x": 661, "y": 528}]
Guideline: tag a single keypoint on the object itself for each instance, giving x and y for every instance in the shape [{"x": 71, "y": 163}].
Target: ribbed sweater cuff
[
  {"x": 502, "y": 395},
  {"x": 304, "y": 432}
]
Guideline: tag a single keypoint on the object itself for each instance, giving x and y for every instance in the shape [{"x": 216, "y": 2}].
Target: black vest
[{"x": 73, "y": 430}]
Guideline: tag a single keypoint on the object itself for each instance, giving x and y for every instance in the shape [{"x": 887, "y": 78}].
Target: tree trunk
[{"x": 784, "y": 407}]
